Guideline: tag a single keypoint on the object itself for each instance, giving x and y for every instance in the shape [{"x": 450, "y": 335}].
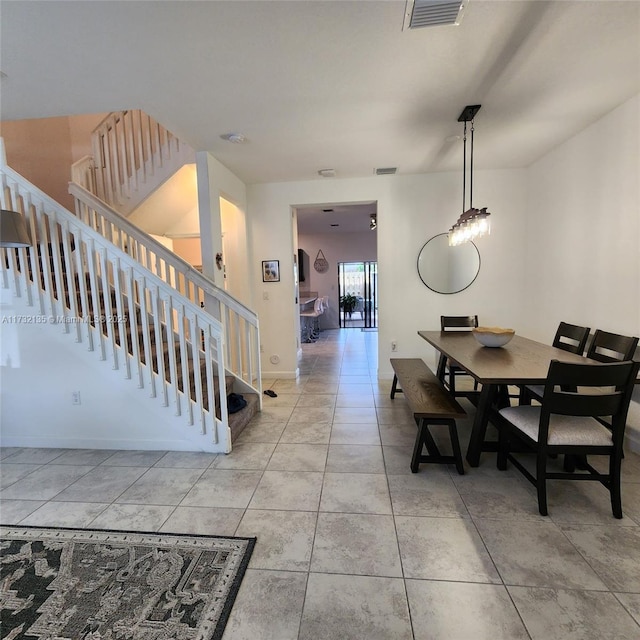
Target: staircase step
[{"x": 238, "y": 421}]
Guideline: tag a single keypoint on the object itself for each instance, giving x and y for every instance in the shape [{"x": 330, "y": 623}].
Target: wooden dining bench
[{"x": 431, "y": 404}]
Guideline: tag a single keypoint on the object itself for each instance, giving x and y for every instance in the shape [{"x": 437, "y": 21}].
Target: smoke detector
[{"x": 433, "y": 13}]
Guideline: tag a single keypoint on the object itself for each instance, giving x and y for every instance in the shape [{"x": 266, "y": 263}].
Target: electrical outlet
[
  {"x": 75, "y": 397},
  {"x": 394, "y": 345}
]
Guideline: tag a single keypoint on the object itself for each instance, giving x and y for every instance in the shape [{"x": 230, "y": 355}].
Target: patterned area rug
[{"x": 81, "y": 584}]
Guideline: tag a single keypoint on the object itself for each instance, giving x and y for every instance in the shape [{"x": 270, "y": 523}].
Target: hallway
[{"x": 351, "y": 545}]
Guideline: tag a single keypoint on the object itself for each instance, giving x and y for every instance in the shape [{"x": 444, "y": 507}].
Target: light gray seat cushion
[
  {"x": 537, "y": 390},
  {"x": 571, "y": 430}
]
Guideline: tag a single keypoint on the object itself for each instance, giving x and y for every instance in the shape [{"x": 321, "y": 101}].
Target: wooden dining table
[{"x": 521, "y": 361}]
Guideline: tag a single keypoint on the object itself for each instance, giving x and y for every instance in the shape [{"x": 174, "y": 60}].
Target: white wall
[
  {"x": 411, "y": 209},
  {"x": 234, "y": 252},
  {"x": 583, "y": 230},
  {"x": 172, "y": 209},
  {"x": 46, "y": 366},
  {"x": 43, "y": 149},
  {"x": 583, "y": 235}
]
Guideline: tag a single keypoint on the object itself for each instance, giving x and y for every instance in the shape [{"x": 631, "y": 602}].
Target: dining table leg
[{"x": 485, "y": 402}]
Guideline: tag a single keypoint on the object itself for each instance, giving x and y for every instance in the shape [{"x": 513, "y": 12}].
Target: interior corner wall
[
  {"x": 237, "y": 276},
  {"x": 411, "y": 209},
  {"x": 583, "y": 230}
]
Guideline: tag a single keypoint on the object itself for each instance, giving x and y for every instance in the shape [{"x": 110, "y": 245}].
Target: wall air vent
[
  {"x": 386, "y": 171},
  {"x": 433, "y": 13}
]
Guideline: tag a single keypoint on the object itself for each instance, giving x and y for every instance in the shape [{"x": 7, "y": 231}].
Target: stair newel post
[
  {"x": 146, "y": 333},
  {"x": 94, "y": 290},
  {"x": 167, "y": 301},
  {"x": 104, "y": 321},
  {"x": 69, "y": 270},
  {"x": 22, "y": 283},
  {"x": 210, "y": 358},
  {"x": 97, "y": 148},
  {"x": 121, "y": 319},
  {"x": 33, "y": 281},
  {"x": 60, "y": 289},
  {"x": 130, "y": 148},
  {"x": 196, "y": 352},
  {"x": 133, "y": 324},
  {"x": 184, "y": 361},
  {"x": 106, "y": 151},
  {"x": 82, "y": 295},
  {"x": 139, "y": 143},
  {"x": 160, "y": 342}
]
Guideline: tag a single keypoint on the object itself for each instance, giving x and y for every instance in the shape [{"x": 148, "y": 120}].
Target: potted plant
[{"x": 348, "y": 303}]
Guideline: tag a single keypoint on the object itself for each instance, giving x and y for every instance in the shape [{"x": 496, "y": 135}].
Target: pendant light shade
[{"x": 13, "y": 230}]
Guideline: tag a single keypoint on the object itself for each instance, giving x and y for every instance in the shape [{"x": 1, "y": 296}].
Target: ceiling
[{"x": 332, "y": 84}]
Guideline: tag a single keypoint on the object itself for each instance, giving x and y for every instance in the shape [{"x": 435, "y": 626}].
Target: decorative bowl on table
[{"x": 493, "y": 336}]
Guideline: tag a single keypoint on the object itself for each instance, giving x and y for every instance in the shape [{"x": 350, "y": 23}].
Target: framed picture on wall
[{"x": 271, "y": 271}]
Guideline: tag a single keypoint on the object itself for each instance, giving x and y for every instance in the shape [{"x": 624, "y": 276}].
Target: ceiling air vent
[
  {"x": 386, "y": 171},
  {"x": 433, "y": 13}
]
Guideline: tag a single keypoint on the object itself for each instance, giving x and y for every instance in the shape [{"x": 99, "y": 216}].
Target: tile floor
[{"x": 351, "y": 545}]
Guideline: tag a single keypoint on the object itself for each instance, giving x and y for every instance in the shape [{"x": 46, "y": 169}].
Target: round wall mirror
[{"x": 446, "y": 269}]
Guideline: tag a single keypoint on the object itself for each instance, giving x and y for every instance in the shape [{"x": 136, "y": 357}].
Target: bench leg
[
  {"x": 417, "y": 447},
  {"x": 428, "y": 440},
  {"x": 424, "y": 438}
]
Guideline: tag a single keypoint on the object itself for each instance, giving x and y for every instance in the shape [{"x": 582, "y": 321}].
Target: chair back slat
[
  {"x": 604, "y": 389},
  {"x": 611, "y": 347},
  {"x": 571, "y": 337}
]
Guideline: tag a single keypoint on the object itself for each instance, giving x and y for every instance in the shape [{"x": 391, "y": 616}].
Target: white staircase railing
[
  {"x": 119, "y": 308},
  {"x": 242, "y": 355},
  {"x": 132, "y": 155}
]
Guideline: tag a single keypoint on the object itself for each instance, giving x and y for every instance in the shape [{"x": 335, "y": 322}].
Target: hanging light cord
[
  {"x": 471, "y": 172},
  {"x": 464, "y": 168}
]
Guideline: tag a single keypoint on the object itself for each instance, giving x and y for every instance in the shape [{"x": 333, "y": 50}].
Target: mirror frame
[{"x": 439, "y": 235}]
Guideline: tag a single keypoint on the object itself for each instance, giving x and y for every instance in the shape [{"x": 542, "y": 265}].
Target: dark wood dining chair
[
  {"x": 566, "y": 423},
  {"x": 611, "y": 347},
  {"x": 448, "y": 370},
  {"x": 569, "y": 337}
]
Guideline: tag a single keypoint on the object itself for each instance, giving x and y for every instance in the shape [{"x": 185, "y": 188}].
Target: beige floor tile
[
  {"x": 284, "y": 538},
  {"x": 288, "y": 490},
  {"x": 529, "y": 553},
  {"x": 355, "y": 493},
  {"x": 573, "y": 615},
  {"x": 344, "y": 544},
  {"x": 463, "y": 611},
  {"x": 354, "y": 608},
  {"x": 298, "y": 457},
  {"x": 268, "y": 606},
  {"x": 444, "y": 549}
]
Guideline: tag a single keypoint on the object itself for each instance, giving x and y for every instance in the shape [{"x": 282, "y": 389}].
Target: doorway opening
[{"x": 358, "y": 280}]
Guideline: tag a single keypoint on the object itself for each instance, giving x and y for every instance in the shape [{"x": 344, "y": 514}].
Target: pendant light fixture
[
  {"x": 472, "y": 223},
  {"x": 13, "y": 230}
]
